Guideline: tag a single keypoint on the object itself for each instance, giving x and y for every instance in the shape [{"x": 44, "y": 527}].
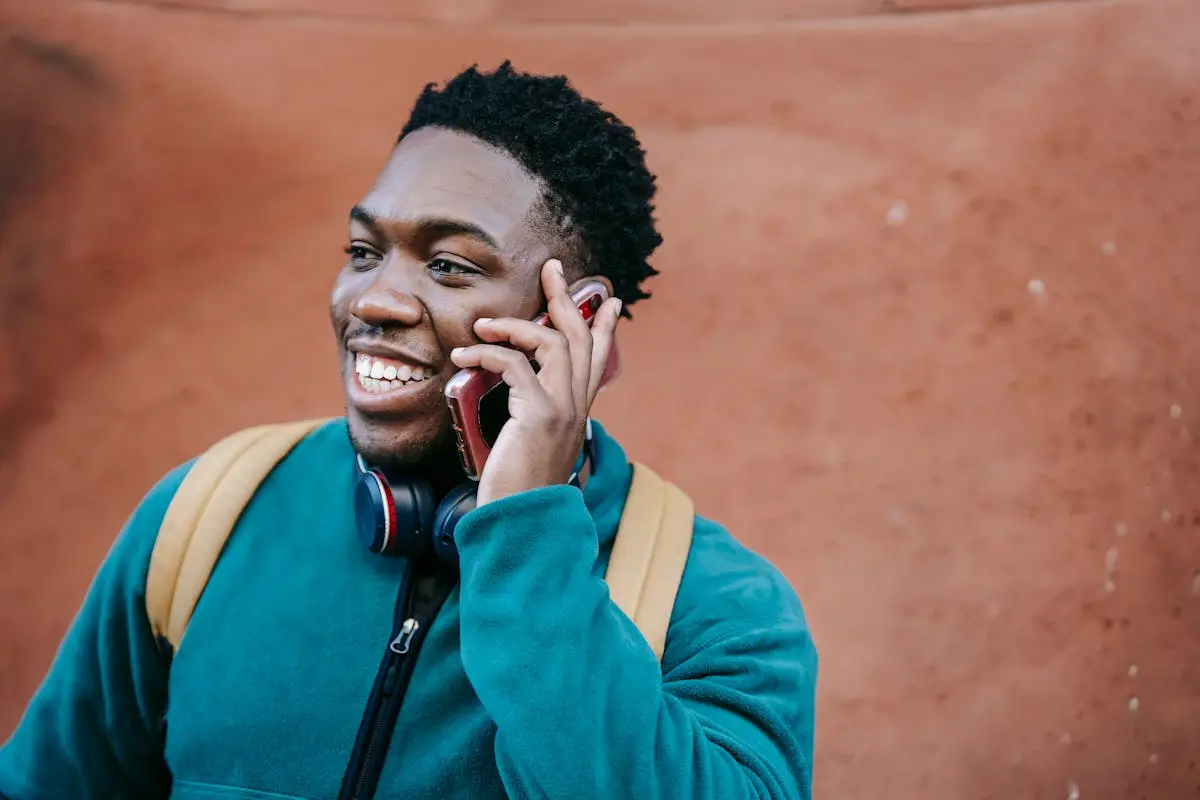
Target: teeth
[
  {"x": 376, "y": 376},
  {"x": 379, "y": 387}
]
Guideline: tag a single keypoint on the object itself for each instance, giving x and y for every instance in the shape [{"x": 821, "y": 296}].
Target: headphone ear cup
[
  {"x": 460, "y": 502},
  {"x": 401, "y": 519},
  {"x": 413, "y": 501},
  {"x": 393, "y": 520},
  {"x": 374, "y": 512}
]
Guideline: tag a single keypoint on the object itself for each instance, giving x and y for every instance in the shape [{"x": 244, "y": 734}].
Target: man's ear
[{"x": 584, "y": 279}]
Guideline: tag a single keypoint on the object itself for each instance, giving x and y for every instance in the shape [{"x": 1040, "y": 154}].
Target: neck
[
  {"x": 444, "y": 473},
  {"x": 443, "y": 470}
]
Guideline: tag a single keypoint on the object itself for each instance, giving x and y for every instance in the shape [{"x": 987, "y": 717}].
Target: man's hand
[{"x": 548, "y": 410}]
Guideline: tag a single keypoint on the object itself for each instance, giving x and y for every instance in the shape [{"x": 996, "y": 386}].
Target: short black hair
[{"x": 598, "y": 188}]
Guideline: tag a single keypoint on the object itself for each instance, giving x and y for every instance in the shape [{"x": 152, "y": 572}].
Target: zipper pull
[{"x": 403, "y": 641}]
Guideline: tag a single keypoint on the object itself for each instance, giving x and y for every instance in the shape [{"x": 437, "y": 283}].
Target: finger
[
  {"x": 546, "y": 345},
  {"x": 523, "y": 334},
  {"x": 512, "y": 366},
  {"x": 604, "y": 328},
  {"x": 565, "y": 317}
]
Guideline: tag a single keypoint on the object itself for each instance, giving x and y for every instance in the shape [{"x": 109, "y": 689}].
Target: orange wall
[{"x": 843, "y": 359}]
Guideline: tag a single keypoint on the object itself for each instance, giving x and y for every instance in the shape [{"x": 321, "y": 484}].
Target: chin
[{"x": 400, "y": 444}]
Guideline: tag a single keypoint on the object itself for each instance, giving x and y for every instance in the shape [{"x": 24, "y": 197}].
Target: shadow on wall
[{"x": 52, "y": 101}]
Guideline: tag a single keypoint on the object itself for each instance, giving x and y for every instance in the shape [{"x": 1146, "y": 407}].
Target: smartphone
[{"x": 478, "y": 399}]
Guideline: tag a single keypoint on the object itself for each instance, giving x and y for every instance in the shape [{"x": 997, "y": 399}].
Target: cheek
[
  {"x": 453, "y": 322},
  {"x": 345, "y": 288},
  {"x": 454, "y": 317}
]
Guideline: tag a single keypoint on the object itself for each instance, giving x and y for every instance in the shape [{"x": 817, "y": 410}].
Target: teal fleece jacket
[{"x": 530, "y": 683}]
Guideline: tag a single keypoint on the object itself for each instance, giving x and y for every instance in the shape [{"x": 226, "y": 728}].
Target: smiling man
[{"x": 508, "y": 671}]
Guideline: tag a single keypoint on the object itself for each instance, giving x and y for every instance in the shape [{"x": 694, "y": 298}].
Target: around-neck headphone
[{"x": 398, "y": 515}]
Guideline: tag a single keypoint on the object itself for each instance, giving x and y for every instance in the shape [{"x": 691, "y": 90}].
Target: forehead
[{"x": 434, "y": 173}]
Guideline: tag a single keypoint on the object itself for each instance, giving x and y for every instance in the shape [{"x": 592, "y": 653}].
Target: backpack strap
[
  {"x": 648, "y": 556},
  {"x": 201, "y": 516},
  {"x": 650, "y": 553}
]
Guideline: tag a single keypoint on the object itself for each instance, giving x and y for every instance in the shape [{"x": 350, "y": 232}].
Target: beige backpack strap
[
  {"x": 203, "y": 513},
  {"x": 649, "y": 554}
]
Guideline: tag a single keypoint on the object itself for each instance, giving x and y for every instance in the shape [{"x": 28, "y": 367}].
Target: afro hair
[{"x": 598, "y": 189}]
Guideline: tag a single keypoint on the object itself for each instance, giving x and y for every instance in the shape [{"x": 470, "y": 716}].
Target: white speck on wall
[
  {"x": 1110, "y": 559},
  {"x": 1165, "y": 516},
  {"x": 1109, "y": 586},
  {"x": 1036, "y": 287},
  {"x": 1108, "y": 248},
  {"x": 1122, "y": 530},
  {"x": 1154, "y": 758},
  {"x": 1133, "y": 704},
  {"x": 1133, "y": 670},
  {"x": 897, "y": 214},
  {"x": 1072, "y": 791},
  {"x": 1196, "y": 583},
  {"x": 1176, "y": 411}
]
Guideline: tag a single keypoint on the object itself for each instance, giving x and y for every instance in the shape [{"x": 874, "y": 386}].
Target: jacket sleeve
[
  {"x": 582, "y": 706},
  {"x": 93, "y": 728}
]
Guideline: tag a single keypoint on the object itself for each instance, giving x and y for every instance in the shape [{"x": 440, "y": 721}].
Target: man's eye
[
  {"x": 361, "y": 257},
  {"x": 447, "y": 267}
]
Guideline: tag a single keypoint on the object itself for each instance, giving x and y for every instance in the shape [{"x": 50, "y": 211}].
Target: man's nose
[{"x": 390, "y": 299}]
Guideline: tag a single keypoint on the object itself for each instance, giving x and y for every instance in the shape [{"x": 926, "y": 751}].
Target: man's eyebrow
[
  {"x": 432, "y": 226},
  {"x": 362, "y": 215}
]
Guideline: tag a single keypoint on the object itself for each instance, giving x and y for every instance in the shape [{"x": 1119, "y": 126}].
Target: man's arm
[
  {"x": 580, "y": 702},
  {"x": 92, "y": 730}
]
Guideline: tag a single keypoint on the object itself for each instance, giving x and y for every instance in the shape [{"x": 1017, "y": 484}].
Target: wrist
[
  {"x": 536, "y": 509},
  {"x": 501, "y": 485}
]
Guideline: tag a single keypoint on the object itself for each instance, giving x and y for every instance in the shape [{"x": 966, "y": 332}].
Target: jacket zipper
[{"x": 423, "y": 590}]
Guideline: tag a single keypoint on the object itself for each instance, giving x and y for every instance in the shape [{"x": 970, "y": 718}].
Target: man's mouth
[{"x": 382, "y": 375}]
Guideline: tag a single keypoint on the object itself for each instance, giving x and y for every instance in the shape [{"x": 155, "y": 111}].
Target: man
[{"x": 503, "y": 191}]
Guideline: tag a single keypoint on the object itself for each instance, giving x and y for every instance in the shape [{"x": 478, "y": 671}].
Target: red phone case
[{"x": 466, "y": 390}]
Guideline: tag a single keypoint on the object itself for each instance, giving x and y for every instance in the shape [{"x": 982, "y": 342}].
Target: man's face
[{"x": 448, "y": 233}]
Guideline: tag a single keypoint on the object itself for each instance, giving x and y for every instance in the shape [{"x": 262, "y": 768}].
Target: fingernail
[
  {"x": 556, "y": 265},
  {"x": 456, "y": 352},
  {"x": 484, "y": 320},
  {"x": 617, "y": 308}
]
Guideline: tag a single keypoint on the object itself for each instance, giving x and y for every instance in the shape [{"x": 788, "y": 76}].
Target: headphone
[{"x": 398, "y": 515}]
